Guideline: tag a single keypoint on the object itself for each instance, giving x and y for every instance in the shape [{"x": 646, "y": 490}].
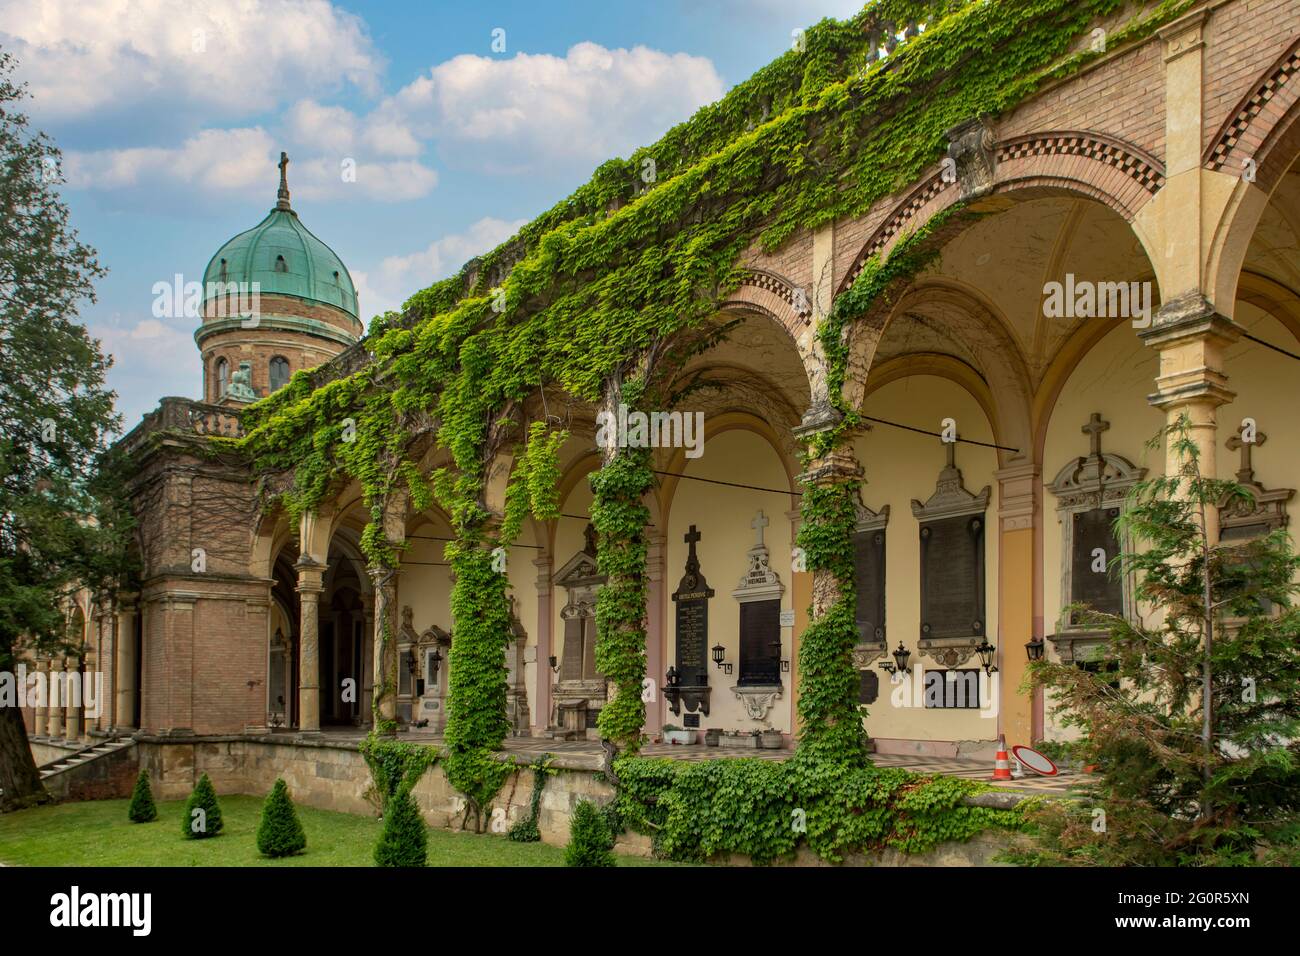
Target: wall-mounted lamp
[
  {"x": 555, "y": 663},
  {"x": 1034, "y": 649},
  {"x": 901, "y": 656},
  {"x": 672, "y": 678},
  {"x": 435, "y": 659},
  {"x": 986, "y": 651},
  {"x": 719, "y": 656}
]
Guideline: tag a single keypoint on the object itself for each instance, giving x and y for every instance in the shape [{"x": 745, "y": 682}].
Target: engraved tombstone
[
  {"x": 689, "y": 681},
  {"x": 759, "y": 594}
]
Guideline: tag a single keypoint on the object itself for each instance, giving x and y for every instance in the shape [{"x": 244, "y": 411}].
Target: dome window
[
  {"x": 223, "y": 270},
  {"x": 279, "y": 372},
  {"x": 223, "y": 377},
  {"x": 280, "y": 264}
]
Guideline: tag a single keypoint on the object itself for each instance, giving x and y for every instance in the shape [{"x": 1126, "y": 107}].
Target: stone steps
[{"x": 83, "y": 756}]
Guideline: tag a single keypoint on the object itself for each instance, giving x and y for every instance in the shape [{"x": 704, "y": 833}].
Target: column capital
[
  {"x": 837, "y": 466},
  {"x": 1185, "y": 34},
  {"x": 1017, "y": 496},
  {"x": 1191, "y": 337}
]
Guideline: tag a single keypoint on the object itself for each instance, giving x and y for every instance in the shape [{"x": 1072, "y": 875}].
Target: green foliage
[
  {"x": 590, "y": 840},
  {"x": 395, "y": 764},
  {"x": 279, "y": 832},
  {"x": 405, "y": 840},
  {"x": 202, "y": 812},
  {"x": 764, "y": 809},
  {"x": 142, "y": 808},
  {"x": 1178, "y": 786},
  {"x": 525, "y": 830},
  {"x": 623, "y": 271}
]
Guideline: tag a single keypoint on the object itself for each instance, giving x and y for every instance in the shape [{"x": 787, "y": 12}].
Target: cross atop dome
[{"x": 282, "y": 195}]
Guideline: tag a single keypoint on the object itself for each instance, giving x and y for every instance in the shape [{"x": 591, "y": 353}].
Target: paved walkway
[{"x": 590, "y": 750}]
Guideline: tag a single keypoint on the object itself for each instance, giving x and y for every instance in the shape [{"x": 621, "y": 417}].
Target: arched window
[
  {"x": 223, "y": 271},
  {"x": 223, "y": 376},
  {"x": 280, "y": 264},
  {"x": 279, "y": 372}
]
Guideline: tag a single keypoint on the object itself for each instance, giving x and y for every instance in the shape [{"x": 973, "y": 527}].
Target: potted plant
[
  {"x": 711, "y": 736},
  {"x": 771, "y": 739},
  {"x": 678, "y": 735},
  {"x": 739, "y": 739}
]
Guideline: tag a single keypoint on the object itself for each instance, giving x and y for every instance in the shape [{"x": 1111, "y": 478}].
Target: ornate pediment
[
  {"x": 760, "y": 582},
  {"x": 950, "y": 496},
  {"x": 580, "y": 571},
  {"x": 1096, "y": 479},
  {"x": 869, "y": 520},
  {"x": 1241, "y": 519}
]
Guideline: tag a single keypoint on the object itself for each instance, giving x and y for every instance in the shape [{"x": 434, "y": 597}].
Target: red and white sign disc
[{"x": 1033, "y": 760}]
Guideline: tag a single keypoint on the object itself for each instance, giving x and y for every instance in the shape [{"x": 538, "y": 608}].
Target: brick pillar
[
  {"x": 545, "y": 646},
  {"x": 1191, "y": 338},
  {"x": 124, "y": 665},
  {"x": 310, "y": 575},
  {"x": 368, "y": 663}
]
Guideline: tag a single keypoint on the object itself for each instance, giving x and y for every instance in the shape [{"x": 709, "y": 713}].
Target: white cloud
[
  {"x": 82, "y": 58},
  {"x": 397, "y": 278},
  {"x": 243, "y": 161},
  {"x": 534, "y": 111},
  {"x": 146, "y": 363}
]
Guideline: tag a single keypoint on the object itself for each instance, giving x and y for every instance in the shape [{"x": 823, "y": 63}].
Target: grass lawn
[{"x": 97, "y": 833}]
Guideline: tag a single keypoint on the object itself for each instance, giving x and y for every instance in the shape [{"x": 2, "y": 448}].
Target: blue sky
[{"x": 171, "y": 115}]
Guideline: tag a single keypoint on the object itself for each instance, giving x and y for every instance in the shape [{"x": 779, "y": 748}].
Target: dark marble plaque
[
  {"x": 952, "y": 577},
  {"x": 868, "y": 686},
  {"x": 760, "y": 642},
  {"x": 869, "y": 579},
  {"x": 1100, "y": 590},
  {"x": 691, "y": 721},
  {"x": 692, "y": 600}
]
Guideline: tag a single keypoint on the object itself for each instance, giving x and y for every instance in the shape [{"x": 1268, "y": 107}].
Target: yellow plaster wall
[
  {"x": 723, "y": 515},
  {"x": 901, "y": 465}
]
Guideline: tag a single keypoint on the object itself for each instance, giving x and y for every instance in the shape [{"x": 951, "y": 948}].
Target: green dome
[{"x": 284, "y": 258}]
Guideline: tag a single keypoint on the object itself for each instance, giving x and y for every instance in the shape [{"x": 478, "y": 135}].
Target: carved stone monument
[
  {"x": 580, "y": 691},
  {"x": 1089, "y": 493},
  {"x": 687, "y": 681},
  {"x": 952, "y": 566},
  {"x": 1241, "y": 520},
  {"x": 759, "y": 594}
]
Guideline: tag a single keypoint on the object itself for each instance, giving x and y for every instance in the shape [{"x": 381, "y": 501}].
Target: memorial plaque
[
  {"x": 1100, "y": 590},
  {"x": 760, "y": 643},
  {"x": 692, "y": 600},
  {"x": 868, "y": 686},
  {"x": 869, "y": 579},
  {"x": 691, "y": 721},
  {"x": 952, "y": 577}
]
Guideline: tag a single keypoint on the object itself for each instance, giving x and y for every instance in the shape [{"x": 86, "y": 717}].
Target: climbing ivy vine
[{"x": 819, "y": 135}]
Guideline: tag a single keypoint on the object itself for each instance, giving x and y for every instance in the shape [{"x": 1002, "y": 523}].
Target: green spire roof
[{"x": 284, "y": 258}]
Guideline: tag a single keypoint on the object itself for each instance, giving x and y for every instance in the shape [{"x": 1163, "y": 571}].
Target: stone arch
[
  {"x": 774, "y": 297},
  {"x": 1097, "y": 166}
]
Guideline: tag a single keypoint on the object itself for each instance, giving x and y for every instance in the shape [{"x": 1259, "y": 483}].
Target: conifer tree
[
  {"x": 202, "y": 812},
  {"x": 1193, "y": 714},
  {"x": 590, "y": 840},
  {"x": 142, "y": 808},
  {"x": 279, "y": 833},
  {"x": 405, "y": 840}
]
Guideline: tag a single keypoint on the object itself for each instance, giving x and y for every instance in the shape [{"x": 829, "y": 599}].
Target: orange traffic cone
[{"x": 1001, "y": 762}]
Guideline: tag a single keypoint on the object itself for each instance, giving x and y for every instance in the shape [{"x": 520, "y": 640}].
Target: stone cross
[
  {"x": 1247, "y": 470},
  {"x": 282, "y": 196},
  {"x": 691, "y": 537},
  {"x": 1093, "y": 430},
  {"x": 758, "y": 524},
  {"x": 950, "y": 449}
]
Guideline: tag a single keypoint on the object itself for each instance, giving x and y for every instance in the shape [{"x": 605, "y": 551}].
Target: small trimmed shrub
[
  {"x": 208, "y": 823},
  {"x": 279, "y": 833},
  {"x": 590, "y": 841},
  {"x": 142, "y": 808},
  {"x": 405, "y": 840}
]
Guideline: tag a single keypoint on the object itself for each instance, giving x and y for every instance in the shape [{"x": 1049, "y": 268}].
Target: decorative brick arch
[
  {"x": 1117, "y": 174},
  {"x": 776, "y": 297},
  {"x": 1263, "y": 126}
]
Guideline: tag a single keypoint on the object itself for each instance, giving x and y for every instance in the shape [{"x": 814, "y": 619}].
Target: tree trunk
[{"x": 20, "y": 783}]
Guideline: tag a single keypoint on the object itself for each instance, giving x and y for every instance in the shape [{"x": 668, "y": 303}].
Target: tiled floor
[{"x": 953, "y": 766}]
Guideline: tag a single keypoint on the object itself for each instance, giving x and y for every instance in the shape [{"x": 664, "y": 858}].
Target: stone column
[
  {"x": 54, "y": 725},
  {"x": 1191, "y": 338},
  {"x": 41, "y": 718},
  {"x": 545, "y": 645},
  {"x": 310, "y": 586},
  {"x": 1018, "y": 716},
  {"x": 125, "y": 665},
  {"x": 73, "y": 729},
  {"x": 384, "y": 653},
  {"x": 368, "y": 662},
  {"x": 104, "y": 658}
]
